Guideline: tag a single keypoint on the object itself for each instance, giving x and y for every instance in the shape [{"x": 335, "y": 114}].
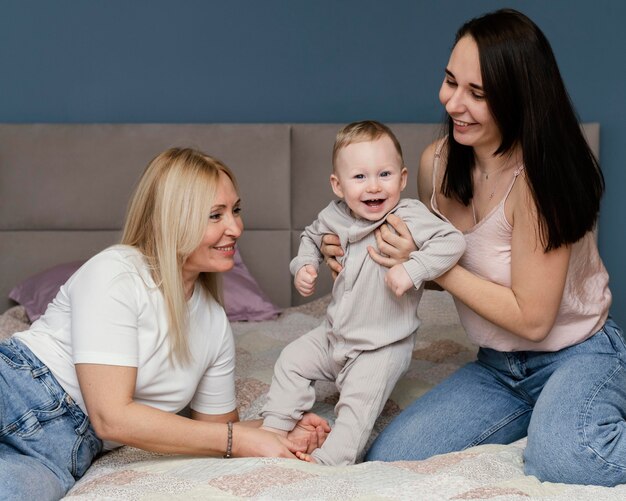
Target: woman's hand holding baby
[
  {"x": 394, "y": 247},
  {"x": 331, "y": 248}
]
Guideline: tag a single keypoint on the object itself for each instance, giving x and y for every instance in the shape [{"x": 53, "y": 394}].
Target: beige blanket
[{"x": 492, "y": 472}]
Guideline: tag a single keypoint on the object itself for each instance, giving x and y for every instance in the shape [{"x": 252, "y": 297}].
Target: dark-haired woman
[{"x": 515, "y": 174}]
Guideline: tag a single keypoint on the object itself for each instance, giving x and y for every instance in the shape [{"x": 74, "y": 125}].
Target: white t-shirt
[{"x": 111, "y": 312}]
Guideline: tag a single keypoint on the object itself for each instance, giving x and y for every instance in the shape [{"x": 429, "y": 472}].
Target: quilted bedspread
[{"x": 493, "y": 472}]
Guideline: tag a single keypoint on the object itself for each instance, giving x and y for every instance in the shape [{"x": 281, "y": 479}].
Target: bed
[{"x": 63, "y": 194}]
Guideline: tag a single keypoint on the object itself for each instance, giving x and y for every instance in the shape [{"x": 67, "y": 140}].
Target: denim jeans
[
  {"x": 46, "y": 440},
  {"x": 571, "y": 404}
]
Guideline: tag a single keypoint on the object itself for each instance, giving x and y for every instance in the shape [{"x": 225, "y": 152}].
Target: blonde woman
[{"x": 135, "y": 335}]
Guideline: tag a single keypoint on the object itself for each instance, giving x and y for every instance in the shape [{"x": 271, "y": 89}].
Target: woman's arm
[
  {"x": 232, "y": 416},
  {"x": 108, "y": 394},
  {"x": 530, "y": 306},
  {"x": 311, "y": 431}
]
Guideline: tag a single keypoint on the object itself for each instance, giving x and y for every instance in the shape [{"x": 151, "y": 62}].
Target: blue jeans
[
  {"x": 46, "y": 440},
  {"x": 571, "y": 404}
]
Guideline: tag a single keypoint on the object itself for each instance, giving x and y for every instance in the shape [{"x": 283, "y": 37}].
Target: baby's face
[{"x": 370, "y": 177}]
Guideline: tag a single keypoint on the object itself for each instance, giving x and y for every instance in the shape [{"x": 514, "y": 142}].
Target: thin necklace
[
  {"x": 496, "y": 183},
  {"x": 493, "y": 192}
]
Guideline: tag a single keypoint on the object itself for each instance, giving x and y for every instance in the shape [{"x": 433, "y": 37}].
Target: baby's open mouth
[{"x": 374, "y": 203}]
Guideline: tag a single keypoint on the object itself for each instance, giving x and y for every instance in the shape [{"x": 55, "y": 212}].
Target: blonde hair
[
  {"x": 166, "y": 220},
  {"x": 366, "y": 130}
]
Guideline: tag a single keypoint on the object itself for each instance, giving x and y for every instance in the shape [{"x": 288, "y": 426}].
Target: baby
[{"x": 365, "y": 343}]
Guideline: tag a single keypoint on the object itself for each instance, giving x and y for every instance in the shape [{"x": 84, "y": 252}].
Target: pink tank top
[{"x": 586, "y": 297}]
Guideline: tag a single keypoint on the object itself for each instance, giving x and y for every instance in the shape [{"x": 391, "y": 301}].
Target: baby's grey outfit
[{"x": 366, "y": 342}]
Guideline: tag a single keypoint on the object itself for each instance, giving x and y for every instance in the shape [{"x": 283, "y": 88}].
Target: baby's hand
[
  {"x": 305, "y": 280},
  {"x": 398, "y": 280}
]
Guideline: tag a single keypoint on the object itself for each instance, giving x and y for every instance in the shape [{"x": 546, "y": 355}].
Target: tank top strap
[
  {"x": 518, "y": 170},
  {"x": 436, "y": 162}
]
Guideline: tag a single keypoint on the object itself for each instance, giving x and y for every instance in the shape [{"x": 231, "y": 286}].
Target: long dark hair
[{"x": 529, "y": 103}]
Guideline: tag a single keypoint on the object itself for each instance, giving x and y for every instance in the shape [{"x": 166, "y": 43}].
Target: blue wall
[{"x": 294, "y": 61}]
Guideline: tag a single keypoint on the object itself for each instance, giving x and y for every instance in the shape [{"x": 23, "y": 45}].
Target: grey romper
[{"x": 366, "y": 341}]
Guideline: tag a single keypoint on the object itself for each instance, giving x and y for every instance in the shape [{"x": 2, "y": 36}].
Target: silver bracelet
[{"x": 229, "y": 443}]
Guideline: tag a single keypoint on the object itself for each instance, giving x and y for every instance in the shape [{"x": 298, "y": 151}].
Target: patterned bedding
[{"x": 492, "y": 472}]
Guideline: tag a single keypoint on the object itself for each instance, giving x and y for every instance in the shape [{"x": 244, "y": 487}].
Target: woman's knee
[
  {"x": 593, "y": 454},
  {"x": 571, "y": 464},
  {"x": 578, "y": 435}
]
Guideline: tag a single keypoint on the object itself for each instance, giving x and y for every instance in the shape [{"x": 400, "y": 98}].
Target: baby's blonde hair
[
  {"x": 166, "y": 220},
  {"x": 365, "y": 130}
]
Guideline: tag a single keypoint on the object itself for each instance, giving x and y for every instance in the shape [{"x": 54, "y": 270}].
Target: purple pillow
[
  {"x": 243, "y": 298},
  {"x": 36, "y": 292}
]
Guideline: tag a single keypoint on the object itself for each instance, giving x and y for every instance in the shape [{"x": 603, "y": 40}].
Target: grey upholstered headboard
[{"x": 64, "y": 188}]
